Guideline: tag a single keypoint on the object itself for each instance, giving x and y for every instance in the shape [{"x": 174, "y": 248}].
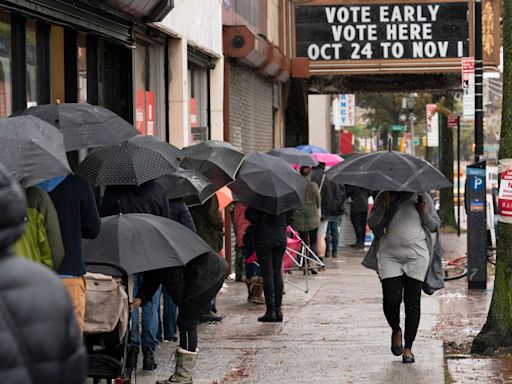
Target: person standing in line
[
  {"x": 210, "y": 228},
  {"x": 74, "y": 202},
  {"x": 358, "y": 213},
  {"x": 333, "y": 198},
  {"x": 270, "y": 244},
  {"x": 307, "y": 216},
  {"x": 41, "y": 241},
  {"x": 151, "y": 198},
  {"x": 402, "y": 223},
  {"x": 180, "y": 213},
  {"x": 41, "y": 341}
]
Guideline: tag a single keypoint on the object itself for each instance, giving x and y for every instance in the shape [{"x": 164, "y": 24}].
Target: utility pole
[{"x": 479, "y": 110}]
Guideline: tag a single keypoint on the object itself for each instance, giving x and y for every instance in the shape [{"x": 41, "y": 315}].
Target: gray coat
[{"x": 381, "y": 216}]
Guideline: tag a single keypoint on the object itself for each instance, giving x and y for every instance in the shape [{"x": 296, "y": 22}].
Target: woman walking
[
  {"x": 402, "y": 223},
  {"x": 270, "y": 244}
]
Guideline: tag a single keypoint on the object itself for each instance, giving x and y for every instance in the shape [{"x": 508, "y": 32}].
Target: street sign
[
  {"x": 396, "y": 128},
  {"x": 453, "y": 121},
  {"x": 468, "y": 87}
]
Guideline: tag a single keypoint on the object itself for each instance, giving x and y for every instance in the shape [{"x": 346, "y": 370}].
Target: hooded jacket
[{"x": 41, "y": 342}]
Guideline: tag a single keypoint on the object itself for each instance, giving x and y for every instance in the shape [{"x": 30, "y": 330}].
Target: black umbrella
[
  {"x": 389, "y": 171},
  {"x": 84, "y": 125},
  {"x": 141, "y": 242},
  {"x": 32, "y": 150},
  {"x": 167, "y": 150},
  {"x": 294, "y": 156},
  {"x": 268, "y": 183},
  {"x": 218, "y": 161},
  {"x": 124, "y": 164},
  {"x": 189, "y": 185}
]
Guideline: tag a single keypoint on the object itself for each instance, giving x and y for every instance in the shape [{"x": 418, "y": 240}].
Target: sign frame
[{"x": 387, "y": 66}]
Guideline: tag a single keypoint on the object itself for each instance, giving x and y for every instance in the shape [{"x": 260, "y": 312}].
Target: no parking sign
[{"x": 505, "y": 193}]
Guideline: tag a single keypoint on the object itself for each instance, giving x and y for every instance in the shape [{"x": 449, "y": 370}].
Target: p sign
[{"x": 477, "y": 183}]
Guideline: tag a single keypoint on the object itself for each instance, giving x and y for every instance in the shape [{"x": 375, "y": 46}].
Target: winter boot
[
  {"x": 185, "y": 361},
  {"x": 148, "y": 360},
  {"x": 132, "y": 355},
  {"x": 269, "y": 316},
  {"x": 257, "y": 290}
]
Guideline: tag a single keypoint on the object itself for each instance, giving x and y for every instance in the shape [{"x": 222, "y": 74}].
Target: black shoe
[
  {"x": 408, "y": 359},
  {"x": 148, "y": 360},
  {"x": 279, "y": 315},
  {"x": 397, "y": 351},
  {"x": 334, "y": 255},
  {"x": 209, "y": 317},
  {"x": 132, "y": 355},
  {"x": 313, "y": 272},
  {"x": 268, "y": 317}
]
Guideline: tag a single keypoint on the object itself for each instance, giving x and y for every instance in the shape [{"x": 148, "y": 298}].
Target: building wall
[{"x": 319, "y": 119}]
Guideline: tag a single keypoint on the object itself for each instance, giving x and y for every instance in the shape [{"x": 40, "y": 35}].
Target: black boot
[
  {"x": 148, "y": 360},
  {"x": 132, "y": 355},
  {"x": 269, "y": 316},
  {"x": 209, "y": 316}
]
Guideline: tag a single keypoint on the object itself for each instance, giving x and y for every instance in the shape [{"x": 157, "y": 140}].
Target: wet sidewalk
[{"x": 335, "y": 333}]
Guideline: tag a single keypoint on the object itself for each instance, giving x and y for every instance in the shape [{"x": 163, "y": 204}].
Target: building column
[
  {"x": 217, "y": 101},
  {"x": 179, "y": 131}
]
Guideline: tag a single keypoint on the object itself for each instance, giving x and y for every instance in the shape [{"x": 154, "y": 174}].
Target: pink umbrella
[{"x": 329, "y": 159}]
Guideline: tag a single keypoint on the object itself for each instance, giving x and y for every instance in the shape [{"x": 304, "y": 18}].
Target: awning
[{"x": 148, "y": 11}]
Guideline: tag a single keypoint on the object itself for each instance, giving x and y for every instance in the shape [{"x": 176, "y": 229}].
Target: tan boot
[
  {"x": 257, "y": 290},
  {"x": 185, "y": 361}
]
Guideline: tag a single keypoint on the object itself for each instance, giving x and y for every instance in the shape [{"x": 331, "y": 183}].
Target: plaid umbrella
[
  {"x": 268, "y": 183},
  {"x": 32, "y": 150},
  {"x": 124, "y": 164},
  {"x": 141, "y": 242},
  {"x": 389, "y": 171},
  {"x": 84, "y": 125},
  {"x": 294, "y": 156},
  {"x": 218, "y": 161}
]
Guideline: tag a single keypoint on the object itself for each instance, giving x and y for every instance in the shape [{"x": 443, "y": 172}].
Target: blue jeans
[
  {"x": 332, "y": 236},
  {"x": 149, "y": 321},
  {"x": 169, "y": 318}
]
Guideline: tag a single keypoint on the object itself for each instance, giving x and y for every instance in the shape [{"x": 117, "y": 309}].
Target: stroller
[
  {"x": 296, "y": 257},
  {"x": 106, "y": 325}
]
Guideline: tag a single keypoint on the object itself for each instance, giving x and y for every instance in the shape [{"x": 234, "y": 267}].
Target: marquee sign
[{"x": 382, "y": 36}]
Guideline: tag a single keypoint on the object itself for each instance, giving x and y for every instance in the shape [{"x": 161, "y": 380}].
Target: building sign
[
  {"x": 150, "y": 113},
  {"x": 347, "y": 110},
  {"x": 468, "y": 87},
  {"x": 432, "y": 125},
  {"x": 383, "y": 37}
]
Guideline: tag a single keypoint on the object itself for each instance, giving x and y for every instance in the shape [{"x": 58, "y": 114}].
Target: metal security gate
[{"x": 251, "y": 114}]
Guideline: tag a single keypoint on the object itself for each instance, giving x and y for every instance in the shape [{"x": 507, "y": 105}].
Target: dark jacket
[
  {"x": 78, "y": 218},
  {"x": 179, "y": 212},
  {"x": 269, "y": 229},
  {"x": 359, "y": 198},
  {"x": 208, "y": 223},
  {"x": 333, "y": 197},
  {"x": 187, "y": 282},
  {"x": 148, "y": 198},
  {"x": 41, "y": 342}
]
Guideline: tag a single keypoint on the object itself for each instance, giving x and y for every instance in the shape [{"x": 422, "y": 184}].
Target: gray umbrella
[
  {"x": 84, "y": 125},
  {"x": 141, "y": 242},
  {"x": 294, "y": 156},
  {"x": 32, "y": 150},
  {"x": 189, "y": 185},
  {"x": 268, "y": 183},
  {"x": 389, "y": 171},
  {"x": 218, "y": 161},
  {"x": 124, "y": 164}
]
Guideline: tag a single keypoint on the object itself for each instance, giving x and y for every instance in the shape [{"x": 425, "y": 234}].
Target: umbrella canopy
[
  {"x": 167, "y": 150},
  {"x": 141, "y": 242},
  {"x": 124, "y": 164},
  {"x": 218, "y": 161},
  {"x": 329, "y": 159},
  {"x": 269, "y": 184},
  {"x": 32, "y": 150},
  {"x": 311, "y": 149},
  {"x": 84, "y": 125},
  {"x": 225, "y": 197},
  {"x": 389, "y": 171},
  {"x": 294, "y": 156},
  {"x": 189, "y": 185}
]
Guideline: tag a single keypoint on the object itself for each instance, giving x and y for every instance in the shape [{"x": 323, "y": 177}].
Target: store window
[
  {"x": 5, "y": 65},
  {"x": 198, "y": 103},
  {"x": 31, "y": 57}
]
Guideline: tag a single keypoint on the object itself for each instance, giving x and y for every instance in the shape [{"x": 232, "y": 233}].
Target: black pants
[
  {"x": 270, "y": 257},
  {"x": 359, "y": 222},
  {"x": 393, "y": 289},
  {"x": 309, "y": 238},
  {"x": 189, "y": 313}
]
